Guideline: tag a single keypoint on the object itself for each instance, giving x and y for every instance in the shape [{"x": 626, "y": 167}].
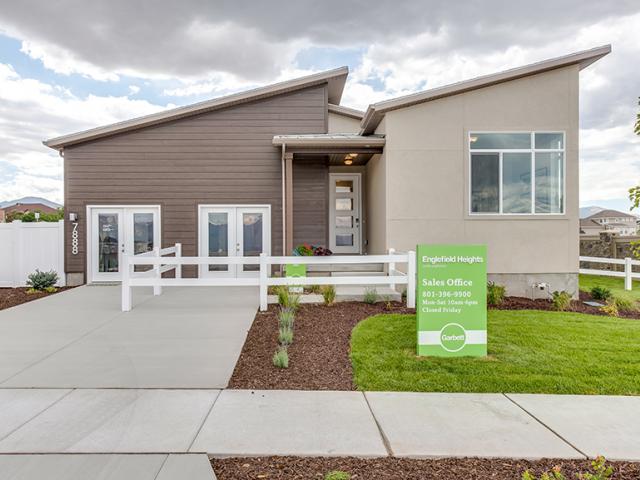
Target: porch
[{"x": 324, "y": 193}]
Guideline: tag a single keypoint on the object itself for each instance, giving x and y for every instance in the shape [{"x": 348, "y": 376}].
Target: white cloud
[{"x": 32, "y": 111}]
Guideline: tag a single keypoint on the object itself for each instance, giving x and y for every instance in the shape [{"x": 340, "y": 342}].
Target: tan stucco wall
[
  {"x": 427, "y": 169},
  {"x": 343, "y": 124},
  {"x": 376, "y": 201}
]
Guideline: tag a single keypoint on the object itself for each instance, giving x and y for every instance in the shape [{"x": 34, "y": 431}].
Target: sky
[{"x": 70, "y": 65}]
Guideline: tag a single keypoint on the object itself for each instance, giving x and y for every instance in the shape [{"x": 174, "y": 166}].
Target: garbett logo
[{"x": 453, "y": 337}]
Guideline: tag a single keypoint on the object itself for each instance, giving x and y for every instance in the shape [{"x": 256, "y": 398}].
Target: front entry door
[
  {"x": 344, "y": 213},
  {"x": 234, "y": 231},
  {"x": 115, "y": 231}
]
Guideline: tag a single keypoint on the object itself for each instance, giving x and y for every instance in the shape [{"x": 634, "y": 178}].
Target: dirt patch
[
  {"x": 521, "y": 303},
  {"x": 319, "y": 355},
  {"x": 286, "y": 468},
  {"x": 10, "y": 297}
]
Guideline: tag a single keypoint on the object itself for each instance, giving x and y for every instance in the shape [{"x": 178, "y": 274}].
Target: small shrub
[
  {"x": 41, "y": 281},
  {"x": 285, "y": 336},
  {"x": 286, "y": 318},
  {"x": 329, "y": 294},
  {"x": 316, "y": 289},
  {"x": 370, "y": 295},
  {"x": 495, "y": 294},
  {"x": 624, "y": 304},
  {"x": 337, "y": 475},
  {"x": 286, "y": 299},
  {"x": 599, "y": 467},
  {"x": 404, "y": 296},
  {"x": 387, "y": 302},
  {"x": 601, "y": 293},
  {"x": 610, "y": 309},
  {"x": 561, "y": 300},
  {"x": 281, "y": 358}
]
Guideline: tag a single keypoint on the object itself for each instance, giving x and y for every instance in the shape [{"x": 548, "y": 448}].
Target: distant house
[
  {"x": 27, "y": 204},
  {"x": 613, "y": 221}
]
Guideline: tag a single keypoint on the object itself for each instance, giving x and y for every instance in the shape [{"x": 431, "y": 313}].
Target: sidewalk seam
[
  {"x": 206, "y": 417},
  {"x": 37, "y": 414},
  {"x": 545, "y": 425},
  {"x": 161, "y": 466},
  {"x": 385, "y": 440}
]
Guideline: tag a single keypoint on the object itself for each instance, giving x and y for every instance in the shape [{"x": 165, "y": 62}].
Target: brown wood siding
[
  {"x": 310, "y": 201},
  {"x": 222, "y": 157}
]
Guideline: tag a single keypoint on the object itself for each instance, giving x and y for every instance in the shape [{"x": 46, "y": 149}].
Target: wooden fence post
[
  {"x": 178, "y": 255},
  {"x": 628, "y": 279},
  {"x": 263, "y": 282},
  {"x": 126, "y": 287},
  {"x": 411, "y": 280},
  {"x": 157, "y": 289}
]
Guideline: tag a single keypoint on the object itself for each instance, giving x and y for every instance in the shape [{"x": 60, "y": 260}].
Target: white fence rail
[
  {"x": 161, "y": 263},
  {"x": 27, "y": 246},
  {"x": 628, "y": 274}
]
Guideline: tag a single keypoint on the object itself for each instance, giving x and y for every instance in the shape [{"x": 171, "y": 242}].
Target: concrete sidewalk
[{"x": 243, "y": 422}]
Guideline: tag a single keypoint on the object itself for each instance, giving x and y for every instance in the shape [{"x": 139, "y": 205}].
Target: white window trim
[{"x": 533, "y": 152}]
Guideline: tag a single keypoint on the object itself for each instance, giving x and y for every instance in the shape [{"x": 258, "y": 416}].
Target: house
[
  {"x": 492, "y": 160},
  {"x": 613, "y": 221},
  {"x": 27, "y": 204}
]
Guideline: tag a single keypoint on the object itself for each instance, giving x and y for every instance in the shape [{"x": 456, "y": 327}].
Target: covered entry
[{"x": 324, "y": 189}]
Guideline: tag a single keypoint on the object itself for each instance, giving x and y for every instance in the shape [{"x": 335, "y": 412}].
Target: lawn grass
[
  {"x": 529, "y": 352},
  {"x": 615, "y": 284}
]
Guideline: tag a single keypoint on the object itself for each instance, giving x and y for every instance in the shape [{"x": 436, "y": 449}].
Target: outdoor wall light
[
  {"x": 73, "y": 217},
  {"x": 348, "y": 161}
]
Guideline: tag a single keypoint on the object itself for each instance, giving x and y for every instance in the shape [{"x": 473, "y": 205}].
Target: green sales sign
[{"x": 452, "y": 300}]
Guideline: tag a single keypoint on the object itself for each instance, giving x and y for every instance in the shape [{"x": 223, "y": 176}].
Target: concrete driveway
[{"x": 189, "y": 337}]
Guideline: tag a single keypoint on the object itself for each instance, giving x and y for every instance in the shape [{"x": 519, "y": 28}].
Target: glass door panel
[
  {"x": 143, "y": 237},
  {"x": 344, "y": 217},
  {"x": 108, "y": 242},
  {"x": 252, "y": 232},
  {"x": 218, "y": 233}
]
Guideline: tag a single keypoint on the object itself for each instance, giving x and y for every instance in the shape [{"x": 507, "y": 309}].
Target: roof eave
[
  {"x": 376, "y": 111},
  {"x": 335, "y": 79}
]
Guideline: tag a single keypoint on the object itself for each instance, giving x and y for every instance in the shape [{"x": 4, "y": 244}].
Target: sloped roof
[
  {"x": 330, "y": 139},
  {"x": 376, "y": 111},
  {"x": 586, "y": 222},
  {"x": 346, "y": 111},
  {"x": 609, "y": 214},
  {"x": 334, "y": 78}
]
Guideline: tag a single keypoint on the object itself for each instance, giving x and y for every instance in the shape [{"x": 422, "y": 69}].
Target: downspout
[{"x": 284, "y": 210}]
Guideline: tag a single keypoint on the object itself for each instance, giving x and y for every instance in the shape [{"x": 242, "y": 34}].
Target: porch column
[{"x": 288, "y": 204}]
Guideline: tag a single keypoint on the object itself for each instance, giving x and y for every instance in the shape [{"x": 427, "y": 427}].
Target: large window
[{"x": 517, "y": 173}]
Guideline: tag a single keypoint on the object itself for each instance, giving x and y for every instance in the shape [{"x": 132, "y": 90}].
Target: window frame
[{"x": 500, "y": 152}]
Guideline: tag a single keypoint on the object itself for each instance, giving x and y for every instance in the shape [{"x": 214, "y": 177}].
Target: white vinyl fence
[
  {"x": 27, "y": 246},
  {"x": 160, "y": 263},
  {"x": 628, "y": 274}
]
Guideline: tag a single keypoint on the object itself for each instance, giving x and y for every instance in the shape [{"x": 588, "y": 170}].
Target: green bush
[
  {"x": 337, "y": 475},
  {"x": 610, "y": 309},
  {"x": 495, "y": 294},
  {"x": 29, "y": 217},
  {"x": 286, "y": 317},
  {"x": 601, "y": 293},
  {"x": 42, "y": 281},
  {"x": 281, "y": 358},
  {"x": 329, "y": 294},
  {"x": 286, "y": 299},
  {"x": 624, "y": 304},
  {"x": 315, "y": 289},
  {"x": 285, "y": 336},
  {"x": 561, "y": 300},
  {"x": 598, "y": 466},
  {"x": 370, "y": 295}
]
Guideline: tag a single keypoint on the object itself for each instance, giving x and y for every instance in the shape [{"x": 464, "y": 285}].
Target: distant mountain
[
  {"x": 588, "y": 211},
  {"x": 29, "y": 200}
]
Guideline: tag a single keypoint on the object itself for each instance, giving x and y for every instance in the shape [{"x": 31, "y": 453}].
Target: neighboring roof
[
  {"x": 586, "y": 222},
  {"x": 610, "y": 214},
  {"x": 346, "y": 111},
  {"x": 330, "y": 140},
  {"x": 376, "y": 111},
  {"x": 334, "y": 78},
  {"x": 30, "y": 201}
]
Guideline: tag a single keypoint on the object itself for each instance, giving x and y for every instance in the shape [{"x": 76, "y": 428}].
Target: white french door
[
  {"x": 243, "y": 231},
  {"x": 118, "y": 230},
  {"x": 344, "y": 213}
]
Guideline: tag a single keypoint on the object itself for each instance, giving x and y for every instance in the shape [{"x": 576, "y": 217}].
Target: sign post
[{"x": 452, "y": 300}]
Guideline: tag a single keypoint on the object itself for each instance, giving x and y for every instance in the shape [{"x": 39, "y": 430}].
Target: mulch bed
[
  {"x": 521, "y": 303},
  {"x": 10, "y": 297},
  {"x": 298, "y": 468},
  {"x": 319, "y": 355}
]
